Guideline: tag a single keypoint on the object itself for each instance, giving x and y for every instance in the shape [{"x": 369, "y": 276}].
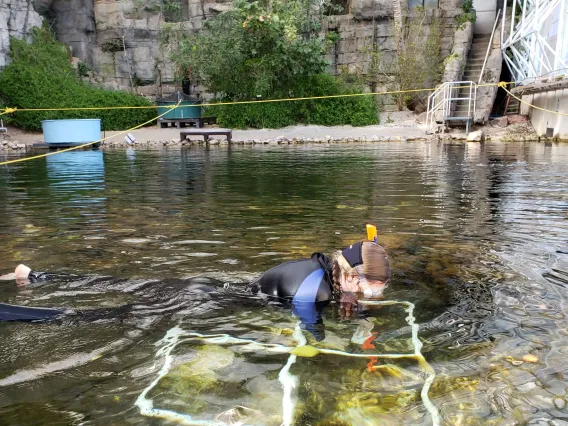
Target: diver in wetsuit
[{"x": 360, "y": 270}]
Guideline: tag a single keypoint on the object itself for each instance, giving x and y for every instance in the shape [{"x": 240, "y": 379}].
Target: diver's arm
[{"x": 26, "y": 313}]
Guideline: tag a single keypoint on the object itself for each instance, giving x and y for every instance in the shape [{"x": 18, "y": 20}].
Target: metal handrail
[
  {"x": 489, "y": 47},
  {"x": 445, "y": 104}
]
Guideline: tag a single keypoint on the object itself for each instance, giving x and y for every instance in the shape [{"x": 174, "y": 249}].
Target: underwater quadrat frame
[{"x": 289, "y": 382}]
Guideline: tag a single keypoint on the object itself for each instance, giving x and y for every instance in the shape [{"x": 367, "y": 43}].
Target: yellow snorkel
[{"x": 372, "y": 233}]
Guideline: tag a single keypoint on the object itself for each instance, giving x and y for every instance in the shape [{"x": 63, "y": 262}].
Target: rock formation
[
  {"x": 119, "y": 39},
  {"x": 17, "y": 18}
]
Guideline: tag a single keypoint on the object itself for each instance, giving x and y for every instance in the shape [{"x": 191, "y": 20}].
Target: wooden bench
[
  {"x": 186, "y": 122},
  {"x": 206, "y": 133}
]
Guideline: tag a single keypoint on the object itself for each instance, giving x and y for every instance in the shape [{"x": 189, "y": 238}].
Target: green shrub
[
  {"x": 41, "y": 76},
  {"x": 356, "y": 111},
  {"x": 83, "y": 69},
  {"x": 468, "y": 15}
]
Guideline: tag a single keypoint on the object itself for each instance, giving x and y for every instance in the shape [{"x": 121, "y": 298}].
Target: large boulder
[
  {"x": 42, "y": 6},
  {"x": 476, "y": 136}
]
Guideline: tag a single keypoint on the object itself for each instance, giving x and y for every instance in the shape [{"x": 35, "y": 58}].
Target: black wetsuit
[{"x": 306, "y": 283}]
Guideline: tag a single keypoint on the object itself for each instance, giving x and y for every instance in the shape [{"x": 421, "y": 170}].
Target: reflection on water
[{"x": 477, "y": 235}]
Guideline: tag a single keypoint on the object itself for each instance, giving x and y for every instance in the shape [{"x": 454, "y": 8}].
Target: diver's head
[{"x": 361, "y": 268}]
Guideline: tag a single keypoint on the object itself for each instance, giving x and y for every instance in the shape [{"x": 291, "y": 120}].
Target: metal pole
[
  {"x": 489, "y": 46},
  {"x": 503, "y": 24},
  {"x": 513, "y": 16},
  {"x": 560, "y": 36}
]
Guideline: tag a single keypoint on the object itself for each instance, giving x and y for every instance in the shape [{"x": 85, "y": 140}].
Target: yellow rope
[
  {"x": 88, "y": 143},
  {"x": 307, "y": 98},
  {"x": 503, "y": 85},
  {"x": 12, "y": 110}
]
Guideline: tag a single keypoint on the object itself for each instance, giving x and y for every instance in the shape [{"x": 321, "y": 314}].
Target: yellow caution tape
[
  {"x": 307, "y": 98},
  {"x": 19, "y": 160},
  {"x": 503, "y": 85}
]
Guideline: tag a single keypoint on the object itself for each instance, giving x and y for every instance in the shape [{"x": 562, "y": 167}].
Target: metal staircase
[{"x": 452, "y": 102}]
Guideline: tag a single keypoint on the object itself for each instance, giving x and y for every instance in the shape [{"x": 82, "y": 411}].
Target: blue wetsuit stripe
[{"x": 308, "y": 290}]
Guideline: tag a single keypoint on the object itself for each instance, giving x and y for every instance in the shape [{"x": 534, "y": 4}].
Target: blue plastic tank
[{"x": 71, "y": 131}]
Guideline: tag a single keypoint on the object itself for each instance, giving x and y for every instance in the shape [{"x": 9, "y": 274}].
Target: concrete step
[{"x": 480, "y": 42}]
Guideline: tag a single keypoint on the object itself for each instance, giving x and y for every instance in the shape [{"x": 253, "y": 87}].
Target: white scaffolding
[{"x": 537, "y": 41}]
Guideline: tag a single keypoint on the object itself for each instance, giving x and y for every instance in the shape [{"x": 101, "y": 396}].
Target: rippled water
[{"x": 477, "y": 235}]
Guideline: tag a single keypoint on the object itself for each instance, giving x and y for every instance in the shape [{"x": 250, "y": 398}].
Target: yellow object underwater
[{"x": 305, "y": 351}]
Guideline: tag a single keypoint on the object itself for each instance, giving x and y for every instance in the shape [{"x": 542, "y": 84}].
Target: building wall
[
  {"x": 554, "y": 29},
  {"x": 486, "y": 11},
  {"x": 554, "y": 100}
]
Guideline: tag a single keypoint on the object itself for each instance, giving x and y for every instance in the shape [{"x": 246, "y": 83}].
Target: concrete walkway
[{"x": 301, "y": 132}]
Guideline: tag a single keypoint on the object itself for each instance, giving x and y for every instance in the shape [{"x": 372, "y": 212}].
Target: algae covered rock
[{"x": 200, "y": 373}]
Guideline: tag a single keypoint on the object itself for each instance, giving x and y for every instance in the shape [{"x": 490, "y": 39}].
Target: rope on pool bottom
[{"x": 289, "y": 381}]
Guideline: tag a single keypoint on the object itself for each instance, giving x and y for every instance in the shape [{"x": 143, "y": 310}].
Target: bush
[
  {"x": 468, "y": 15},
  {"x": 356, "y": 111},
  {"x": 41, "y": 76}
]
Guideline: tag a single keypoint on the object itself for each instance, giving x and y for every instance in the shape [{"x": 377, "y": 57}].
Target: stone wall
[
  {"x": 455, "y": 62},
  {"x": 17, "y": 18},
  {"x": 88, "y": 26}
]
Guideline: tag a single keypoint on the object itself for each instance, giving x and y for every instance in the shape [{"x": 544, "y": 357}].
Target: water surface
[{"x": 477, "y": 235}]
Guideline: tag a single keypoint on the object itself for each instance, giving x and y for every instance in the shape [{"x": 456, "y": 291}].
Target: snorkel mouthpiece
[
  {"x": 367, "y": 290},
  {"x": 368, "y": 293}
]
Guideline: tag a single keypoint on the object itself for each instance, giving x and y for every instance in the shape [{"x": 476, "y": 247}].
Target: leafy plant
[
  {"x": 356, "y": 111},
  {"x": 83, "y": 69},
  {"x": 255, "y": 49},
  {"x": 113, "y": 45},
  {"x": 468, "y": 14},
  {"x": 268, "y": 49},
  {"x": 41, "y": 76}
]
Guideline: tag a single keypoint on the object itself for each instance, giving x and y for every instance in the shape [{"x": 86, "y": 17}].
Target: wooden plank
[{"x": 207, "y": 131}]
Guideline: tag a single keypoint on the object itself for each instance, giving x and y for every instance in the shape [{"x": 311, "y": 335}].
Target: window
[{"x": 426, "y": 4}]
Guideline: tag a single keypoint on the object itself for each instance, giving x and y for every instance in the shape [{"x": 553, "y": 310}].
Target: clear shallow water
[{"x": 477, "y": 236}]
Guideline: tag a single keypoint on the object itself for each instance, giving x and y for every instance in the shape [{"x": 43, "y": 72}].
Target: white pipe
[
  {"x": 489, "y": 46},
  {"x": 513, "y": 17},
  {"x": 562, "y": 39},
  {"x": 503, "y": 25}
]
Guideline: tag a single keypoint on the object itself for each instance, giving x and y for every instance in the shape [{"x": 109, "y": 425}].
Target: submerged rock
[{"x": 200, "y": 373}]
